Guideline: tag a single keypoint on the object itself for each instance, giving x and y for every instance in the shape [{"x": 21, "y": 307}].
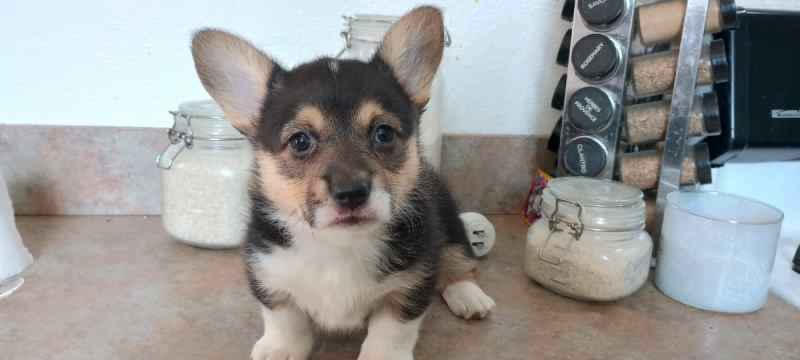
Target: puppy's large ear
[
  {"x": 235, "y": 73},
  {"x": 413, "y": 48}
]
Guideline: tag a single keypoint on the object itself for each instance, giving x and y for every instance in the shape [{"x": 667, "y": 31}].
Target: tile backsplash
[
  {"x": 53, "y": 170},
  {"x": 60, "y": 170}
]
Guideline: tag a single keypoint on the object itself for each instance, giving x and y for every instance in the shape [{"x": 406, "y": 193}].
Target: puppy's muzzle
[
  {"x": 349, "y": 186},
  {"x": 351, "y": 195}
]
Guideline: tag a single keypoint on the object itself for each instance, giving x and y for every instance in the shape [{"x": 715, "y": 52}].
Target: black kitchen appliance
[{"x": 760, "y": 105}]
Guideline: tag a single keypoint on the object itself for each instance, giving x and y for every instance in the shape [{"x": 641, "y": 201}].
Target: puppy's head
[{"x": 335, "y": 140}]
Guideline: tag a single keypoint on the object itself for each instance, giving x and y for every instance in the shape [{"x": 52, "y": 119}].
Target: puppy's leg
[
  {"x": 287, "y": 334},
  {"x": 458, "y": 286},
  {"x": 389, "y": 337}
]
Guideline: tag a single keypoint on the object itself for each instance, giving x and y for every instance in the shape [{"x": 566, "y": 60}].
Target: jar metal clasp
[
  {"x": 557, "y": 251},
  {"x": 347, "y": 35},
  {"x": 180, "y": 138},
  {"x": 575, "y": 228}
]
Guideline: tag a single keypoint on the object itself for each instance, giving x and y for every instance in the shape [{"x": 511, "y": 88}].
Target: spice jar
[
  {"x": 562, "y": 57},
  {"x": 662, "y": 21},
  {"x": 559, "y": 93},
  {"x": 363, "y": 34},
  {"x": 204, "y": 178},
  {"x": 642, "y": 168},
  {"x": 647, "y": 122},
  {"x": 654, "y": 74},
  {"x": 591, "y": 243}
]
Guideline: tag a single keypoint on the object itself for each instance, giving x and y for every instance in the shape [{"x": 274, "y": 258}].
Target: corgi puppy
[{"x": 350, "y": 228}]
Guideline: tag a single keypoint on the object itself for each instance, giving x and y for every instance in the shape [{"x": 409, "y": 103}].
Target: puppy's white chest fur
[{"x": 329, "y": 274}]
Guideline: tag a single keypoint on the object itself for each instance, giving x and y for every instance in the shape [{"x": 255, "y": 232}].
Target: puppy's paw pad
[
  {"x": 268, "y": 348},
  {"x": 466, "y": 300}
]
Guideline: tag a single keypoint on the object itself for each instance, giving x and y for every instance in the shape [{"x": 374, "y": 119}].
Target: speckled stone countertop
[{"x": 119, "y": 288}]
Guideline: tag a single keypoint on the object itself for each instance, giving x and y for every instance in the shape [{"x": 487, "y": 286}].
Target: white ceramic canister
[
  {"x": 717, "y": 250},
  {"x": 363, "y": 35},
  {"x": 591, "y": 243},
  {"x": 14, "y": 257},
  {"x": 205, "y": 174}
]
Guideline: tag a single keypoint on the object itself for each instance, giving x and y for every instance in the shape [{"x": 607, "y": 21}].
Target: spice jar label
[
  {"x": 584, "y": 156},
  {"x": 595, "y": 56},
  {"x": 590, "y": 109},
  {"x": 601, "y": 12}
]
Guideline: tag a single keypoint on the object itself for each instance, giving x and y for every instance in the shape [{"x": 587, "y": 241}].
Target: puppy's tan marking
[
  {"x": 319, "y": 191},
  {"x": 309, "y": 117},
  {"x": 285, "y": 193},
  {"x": 456, "y": 266},
  {"x": 405, "y": 180},
  {"x": 370, "y": 110}
]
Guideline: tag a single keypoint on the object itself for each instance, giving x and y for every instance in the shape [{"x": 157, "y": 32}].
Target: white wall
[{"x": 125, "y": 63}]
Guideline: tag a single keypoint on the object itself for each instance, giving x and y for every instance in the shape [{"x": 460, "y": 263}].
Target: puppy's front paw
[
  {"x": 274, "y": 348},
  {"x": 467, "y": 300}
]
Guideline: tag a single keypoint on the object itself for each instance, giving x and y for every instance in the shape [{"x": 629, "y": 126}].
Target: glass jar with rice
[
  {"x": 591, "y": 243},
  {"x": 205, "y": 174}
]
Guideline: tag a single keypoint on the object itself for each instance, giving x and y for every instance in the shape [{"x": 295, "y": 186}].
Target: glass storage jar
[
  {"x": 591, "y": 243},
  {"x": 654, "y": 74},
  {"x": 362, "y": 35},
  {"x": 662, "y": 21},
  {"x": 646, "y": 123},
  {"x": 204, "y": 178}
]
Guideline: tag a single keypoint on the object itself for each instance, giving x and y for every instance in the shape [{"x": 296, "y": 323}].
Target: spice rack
[
  {"x": 644, "y": 120},
  {"x": 595, "y": 86}
]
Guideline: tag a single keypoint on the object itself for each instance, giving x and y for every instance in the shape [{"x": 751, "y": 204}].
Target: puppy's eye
[
  {"x": 301, "y": 143},
  {"x": 383, "y": 135}
]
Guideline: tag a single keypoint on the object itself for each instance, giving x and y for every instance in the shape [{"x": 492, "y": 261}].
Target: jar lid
[
  {"x": 712, "y": 121},
  {"x": 201, "y": 108},
  {"x": 568, "y": 11},
  {"x": 372, "y": 28},
  {"x": 601, "y": 12},
  {"x": 594, "y": 192},
  {"x": 196, "y": 120},
  {"x": 728, "y": 14},
  {"x": 595, "y": 57},
  {"x": 204, "y": 120},
  {"x": 719, "y": 61},
  {"x": 557, "y": 101},
  {"x": 562, "y": 57},
  {"x": 590, "y": 108},
  {"x": 584, "y": 156},
  {"x": 595, "y": 204}
]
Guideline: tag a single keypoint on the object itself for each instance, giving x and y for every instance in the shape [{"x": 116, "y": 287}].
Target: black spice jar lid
[
  {"x": 719, "y": 61},
  {"x": 796, "y": 261},
  {"x": 554, "y": 142},
  {"x": 563, "y": 51},
  {"x": 601, "y": 13},
  {"x": 728, "y": 14},
  {"x": 568, "y": 11},
  {"x": 560, "y": 92},
  {"x": 595, "y": 57},
  {"x": 702, "y": 161},
  {"x": 712, "y": 122},
  {"x": 590, "y": 108},
  {"x": 584, "y": 156}
]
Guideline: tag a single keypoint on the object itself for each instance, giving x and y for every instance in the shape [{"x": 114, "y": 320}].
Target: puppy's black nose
[{"x": 351, "y": 195}]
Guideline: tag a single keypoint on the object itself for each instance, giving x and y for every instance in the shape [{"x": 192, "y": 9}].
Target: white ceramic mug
[{"x": 14, "y": 257}]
